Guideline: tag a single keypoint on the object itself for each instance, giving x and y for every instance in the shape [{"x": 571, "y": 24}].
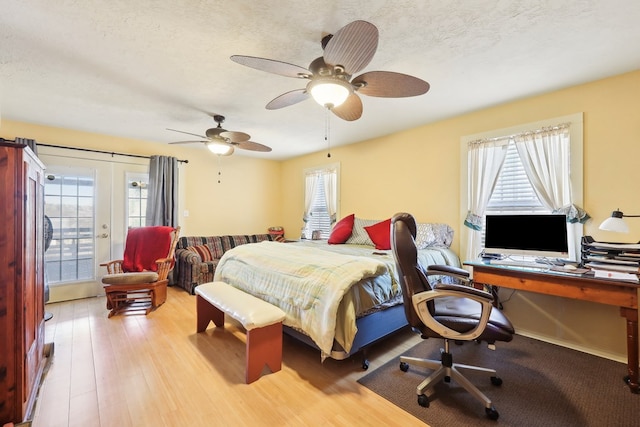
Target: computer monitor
[{"x": 527, "y": 235}]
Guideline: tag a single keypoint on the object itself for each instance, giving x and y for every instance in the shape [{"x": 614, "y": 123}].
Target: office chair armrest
[
  {"x": 447, "y": 270},
  {"x": 420, "y": 305},
  {"x": 465, "y": 289}
]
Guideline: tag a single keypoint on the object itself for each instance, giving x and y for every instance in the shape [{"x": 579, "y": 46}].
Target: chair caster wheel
[
  {"x": 404, "y": 367},
  {"x": 365, "y": 364},
  {"x": 423, "y": 401},
  {"x": 497, "y": 381},
  {"x": 492, "y": 414}
]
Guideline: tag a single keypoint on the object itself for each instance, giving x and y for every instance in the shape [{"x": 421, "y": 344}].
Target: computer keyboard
[{"x": 524, "y": 264}]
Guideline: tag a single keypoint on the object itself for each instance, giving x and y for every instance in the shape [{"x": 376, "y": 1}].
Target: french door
[{"x": 86, "y": 200}]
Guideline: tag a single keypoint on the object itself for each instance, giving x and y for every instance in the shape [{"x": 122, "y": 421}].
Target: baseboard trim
[{"x": 551, "y": 340}]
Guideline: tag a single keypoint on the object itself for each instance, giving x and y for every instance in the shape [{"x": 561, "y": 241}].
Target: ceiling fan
[
  {"x": 223, "y": 142},
  {"x": 330, "y": 84}
]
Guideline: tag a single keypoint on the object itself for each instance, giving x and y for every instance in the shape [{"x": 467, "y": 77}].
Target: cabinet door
[{"x": 33, "y": 281}]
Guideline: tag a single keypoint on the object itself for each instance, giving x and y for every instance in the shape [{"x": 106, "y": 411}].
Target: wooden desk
[{"x": 587, "y": 288}]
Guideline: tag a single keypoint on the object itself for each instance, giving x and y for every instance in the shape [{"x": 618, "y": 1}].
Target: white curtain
[
  {"x": 545, "y": 158},
  {"x": 545, "y": 155},
  {"x": 162, "y": 194},
  {"x": 311, "y": 186},
  {"x": 330, "y": 180},
  {"x": 485, "y": 159}
]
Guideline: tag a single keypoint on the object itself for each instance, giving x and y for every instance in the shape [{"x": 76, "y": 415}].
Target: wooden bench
[{"x": 262, "y": 321}]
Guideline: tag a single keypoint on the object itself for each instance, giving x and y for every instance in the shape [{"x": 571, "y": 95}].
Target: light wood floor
[{"x": 154, "y": 370}]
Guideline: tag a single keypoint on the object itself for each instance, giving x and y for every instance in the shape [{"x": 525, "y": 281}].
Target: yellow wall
[
  {"x": 418, "y": 171},
  {"x": 247, "y": 201}
]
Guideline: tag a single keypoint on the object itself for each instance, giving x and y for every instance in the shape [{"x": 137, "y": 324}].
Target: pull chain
[
  {"x": 327, "y": 131},
  {"x": 219, "y": 167}
]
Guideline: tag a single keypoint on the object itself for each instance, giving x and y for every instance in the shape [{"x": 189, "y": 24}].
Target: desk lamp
[{"x": 616, "y": 223}]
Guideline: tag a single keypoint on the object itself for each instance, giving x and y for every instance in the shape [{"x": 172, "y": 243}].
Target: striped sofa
[{"x": 198, "y": 256}]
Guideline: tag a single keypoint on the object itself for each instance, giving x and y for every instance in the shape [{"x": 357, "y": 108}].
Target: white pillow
[
  {"x": 359, "y": 235},
  {"x": 433, "y": 235}
]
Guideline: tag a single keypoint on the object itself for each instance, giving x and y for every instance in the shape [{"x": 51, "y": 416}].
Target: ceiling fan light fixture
[
  {"x": 329, "y": 92},
  {"x": 219, "y": 148}
]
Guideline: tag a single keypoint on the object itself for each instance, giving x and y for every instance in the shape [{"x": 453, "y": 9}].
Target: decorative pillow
[
  {"x": 342, "y": 230},
  {"x": 433, "y": 235},
  {"x": 203, "y": 250},
  {"x": 380, "y": 234},
  {"x": 359, "y": 235}
]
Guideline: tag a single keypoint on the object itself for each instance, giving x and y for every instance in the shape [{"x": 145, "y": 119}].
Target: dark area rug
[{"x": 543, "y": 385}]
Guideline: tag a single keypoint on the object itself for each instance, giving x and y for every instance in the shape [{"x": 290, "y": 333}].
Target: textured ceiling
[{"x": 133, "y": 68}]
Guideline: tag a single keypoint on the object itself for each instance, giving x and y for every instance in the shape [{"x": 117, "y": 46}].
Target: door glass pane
[
  {"x": 136, "y": 199},
  {"x": 70, "y": 204}
]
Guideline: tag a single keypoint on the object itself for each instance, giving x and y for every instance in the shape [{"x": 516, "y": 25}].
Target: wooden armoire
[{"x": 22, "y": 358}]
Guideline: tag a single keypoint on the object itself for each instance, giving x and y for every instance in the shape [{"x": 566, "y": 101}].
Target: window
[
  {"x": 70, "y": 205},
  {"x": 513, "y": 193},
  {"x": 321, "y": 198},
  {"x": 495, "y": 179},
  {"x": 136, "y": 199}
]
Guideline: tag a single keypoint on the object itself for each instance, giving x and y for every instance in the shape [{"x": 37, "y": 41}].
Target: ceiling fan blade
[
  {"x": 388, "y": 84},
  {"x": 252, "y": 146},
  {"x": 349, "y": 110},
  {"x": 353, "y": 46},
  {"x": 235, "y": 136},
  {"x": 272, "y": 66},
  {"x": 185, "y": 142},
  {"x": 288, "y": 98},
  {"x": 188, "y": 133}
]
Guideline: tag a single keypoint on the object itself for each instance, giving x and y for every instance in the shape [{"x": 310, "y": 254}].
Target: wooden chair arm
[
  {"x": 113, "y": 267},
  {"x": 164, "y": 267}
]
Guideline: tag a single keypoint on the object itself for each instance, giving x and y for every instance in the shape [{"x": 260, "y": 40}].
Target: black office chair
[{"x": 456, "y": 312}]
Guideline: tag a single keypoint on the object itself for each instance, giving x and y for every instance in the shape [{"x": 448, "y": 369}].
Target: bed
[{"x": 339, "y": 298}]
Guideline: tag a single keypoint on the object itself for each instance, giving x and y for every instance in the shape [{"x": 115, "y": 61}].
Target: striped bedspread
[
  {"x": 307, "y": 283},
  {"x": 313, "y": 283}
]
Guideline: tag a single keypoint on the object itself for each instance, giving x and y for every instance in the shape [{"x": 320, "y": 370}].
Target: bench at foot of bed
[{"x": 262, "y": 321}]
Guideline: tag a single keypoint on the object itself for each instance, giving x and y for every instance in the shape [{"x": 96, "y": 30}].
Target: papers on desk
[
  {"x": 618, "y": 261},
  {"x": 632, "y": 269},
  {"x": 615, "y": 246},
  {"x": 574, "y": 272},
  {"x": 616, "y": 275}
]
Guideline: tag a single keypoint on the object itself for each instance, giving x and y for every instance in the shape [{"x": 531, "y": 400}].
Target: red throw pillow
[
  {"x": 203, "y": 250},
  {"x": 380, "y": 234},
  {"x": 342, "y": 230}
]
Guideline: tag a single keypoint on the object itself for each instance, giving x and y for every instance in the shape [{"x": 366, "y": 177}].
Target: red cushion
[
  {"x": 342, "y": 230},
  {"x": 144, "y": 246},
  {"x": 380, "y": 234}
]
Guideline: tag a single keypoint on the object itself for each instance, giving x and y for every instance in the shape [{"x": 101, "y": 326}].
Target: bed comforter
[{"x": 321, "y": 288}]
